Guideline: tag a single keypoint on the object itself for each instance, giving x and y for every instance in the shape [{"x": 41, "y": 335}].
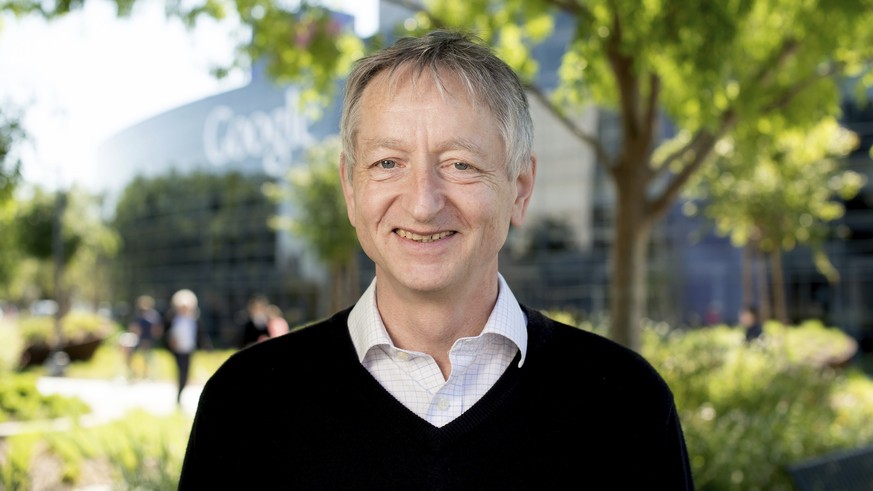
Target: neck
[{"x": 431, "y": 323}]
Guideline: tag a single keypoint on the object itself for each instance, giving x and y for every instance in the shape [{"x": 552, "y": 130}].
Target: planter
[{"x": 37, "y": 354}]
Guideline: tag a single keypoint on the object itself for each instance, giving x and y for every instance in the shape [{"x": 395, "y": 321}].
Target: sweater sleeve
[{"x": 676, "y": 467}]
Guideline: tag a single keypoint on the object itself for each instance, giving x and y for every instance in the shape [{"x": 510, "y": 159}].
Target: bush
[
  {"x": 140, "y": 451},
  {"x": 21, "y": 401},
  {"x": 749, "y": 410},
  {"x": 76, "y": 327},
  {"x": 10, "y": 346}
]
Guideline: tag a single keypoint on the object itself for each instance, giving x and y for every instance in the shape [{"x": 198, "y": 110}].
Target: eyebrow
[
  {"x": 460, "y": 144},
  {"x": 453, "y": 144}
]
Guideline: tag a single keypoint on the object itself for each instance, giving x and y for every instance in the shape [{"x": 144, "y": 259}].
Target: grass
[{"x": 109, "y": 362}]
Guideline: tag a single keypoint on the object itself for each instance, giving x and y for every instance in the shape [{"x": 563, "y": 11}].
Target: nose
[{"x": 425, "y": 195}]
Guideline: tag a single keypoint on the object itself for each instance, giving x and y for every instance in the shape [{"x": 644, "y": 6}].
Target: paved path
[{"x": 110, "y": 399}]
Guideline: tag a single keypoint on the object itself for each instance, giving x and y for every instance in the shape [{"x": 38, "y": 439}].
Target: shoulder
[
  {"x": 297, "y": 352},
  {"x": 588, "y": 355}
]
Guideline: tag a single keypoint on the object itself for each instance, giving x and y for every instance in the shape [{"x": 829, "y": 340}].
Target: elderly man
[{"x": 437, "y": 378}]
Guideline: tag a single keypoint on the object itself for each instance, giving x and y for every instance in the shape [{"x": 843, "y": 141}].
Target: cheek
[{"x": 372, "y": 204}]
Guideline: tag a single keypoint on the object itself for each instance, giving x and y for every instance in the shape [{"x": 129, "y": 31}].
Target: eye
[
  {"x": 386, "y": 164},
  {"x": 461, "y": 166}
]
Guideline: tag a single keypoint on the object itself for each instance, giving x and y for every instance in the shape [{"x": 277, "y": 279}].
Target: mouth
[{"x": 406, "y": 234}]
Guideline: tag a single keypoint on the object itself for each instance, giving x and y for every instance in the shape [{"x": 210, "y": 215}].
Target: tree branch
[
  {"x": 626, "y": 81},
  {"x": 651, "y": 112},
  {"x": 793, "y": 91},
  {"x": 698, "y": 149}
]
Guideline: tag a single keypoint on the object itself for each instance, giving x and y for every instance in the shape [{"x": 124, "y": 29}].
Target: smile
[{"x": 422, "y": 238}]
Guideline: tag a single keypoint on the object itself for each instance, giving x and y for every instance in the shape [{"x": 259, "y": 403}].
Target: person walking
[
  {"x": 254, "y": 327},
  {"x": 145, "y": 329},
  {"x": 184, "y": 335}
]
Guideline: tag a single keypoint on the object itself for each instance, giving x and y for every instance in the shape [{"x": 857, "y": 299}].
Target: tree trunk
[
  {"x": 763, "y": 287},
  {"x": 344, "y": 280},
  {"x": 748, "y": 275},
  {"x": 780, "y": 308},
  {"x": 629, "y": 264}
]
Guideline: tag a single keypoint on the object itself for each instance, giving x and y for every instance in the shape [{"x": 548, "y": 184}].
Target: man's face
[{"x": 429, "y": 195}]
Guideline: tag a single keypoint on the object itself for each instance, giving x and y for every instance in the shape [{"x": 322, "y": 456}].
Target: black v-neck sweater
[{"x": 300, "y": 412}]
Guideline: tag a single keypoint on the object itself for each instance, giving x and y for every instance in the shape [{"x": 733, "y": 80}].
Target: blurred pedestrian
[
  {"x": 255, "y": 323},
  {"x": 143, "y": 331},
  {"x": 750, "y": 323},
  {"x": 184, "y": 334},
  {"x": 277, "y": 325}
]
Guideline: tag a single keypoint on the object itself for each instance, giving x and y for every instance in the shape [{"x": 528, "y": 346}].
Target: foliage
[
  {"x": 10, "y": 256},
  {"x": 751, "y": 410},
  {"x": 88, "y": 245},
  {"x": 38, "y": 216},
  {"x": 15, "y": 467},
  {"x": 10, "y": 346},
  {"x": 76, "y": 327},
  {"x": 139, "y": 451},
  {"x": 307, "y": 46},
  {"x": 779, "y": 190},
  {"x": 50, "y": 10},
  {"x": 20, "y": 400},
  {"x": 11, "y": 136},
  {"x": 87, "y": 274},
  {"x": 145, "y": 451}
]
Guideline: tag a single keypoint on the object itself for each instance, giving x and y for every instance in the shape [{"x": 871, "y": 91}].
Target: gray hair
[{"x": 488, "y": 79}]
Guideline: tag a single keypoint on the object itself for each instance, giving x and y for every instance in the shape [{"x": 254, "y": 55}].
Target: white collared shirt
[{"x": 415, "y": 379}]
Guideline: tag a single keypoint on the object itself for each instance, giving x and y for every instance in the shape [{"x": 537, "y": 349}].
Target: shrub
[
  {"x": 749, "y": 410},
  {"x": 20, "y": 400},
  {"x": 140, "y": 451},
  {"x": 17, "y": 453},
  {"x": 76, "y": 327},
  {"x": 10, "y": 346}
]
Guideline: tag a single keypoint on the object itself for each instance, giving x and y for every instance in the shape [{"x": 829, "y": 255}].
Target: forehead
[{"x": 417, "y": 83}]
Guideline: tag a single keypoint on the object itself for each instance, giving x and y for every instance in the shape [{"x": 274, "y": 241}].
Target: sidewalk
[{"x": 109, "y": 400}]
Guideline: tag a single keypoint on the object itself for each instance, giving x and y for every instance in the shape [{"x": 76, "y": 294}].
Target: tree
[
  {"x": 88, "y": 245},
  {"x": 770, "y": 193},
  {"x": 711, "y": 68},
  {"x": 320, "y": 217}
]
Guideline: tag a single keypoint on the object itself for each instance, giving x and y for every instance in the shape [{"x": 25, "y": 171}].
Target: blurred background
[{"x": 695, "y": 162}]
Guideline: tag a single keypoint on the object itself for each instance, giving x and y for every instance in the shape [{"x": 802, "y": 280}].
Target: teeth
[{"x": 423, "y": 238}]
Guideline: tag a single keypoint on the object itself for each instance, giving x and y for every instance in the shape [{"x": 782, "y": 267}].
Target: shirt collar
[{"x": 367, "y": 329}]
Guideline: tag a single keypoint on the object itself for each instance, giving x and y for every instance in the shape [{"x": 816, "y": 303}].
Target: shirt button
[
  {"x": 442, "y": 404},
  {"x": 402, "y": 356}
]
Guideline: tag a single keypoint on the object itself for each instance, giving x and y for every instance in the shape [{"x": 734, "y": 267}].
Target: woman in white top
[{"x": 183, "y": 334}]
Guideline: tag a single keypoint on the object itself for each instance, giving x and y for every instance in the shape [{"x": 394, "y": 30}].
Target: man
[
  {"x": 437, "y": 378},
  {"x": 254, "y": 327}
]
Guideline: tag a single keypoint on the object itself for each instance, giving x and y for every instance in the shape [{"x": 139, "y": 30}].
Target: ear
[
  {"x": 348, "y": 192},
  {"x": 524, "y": 184}
]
